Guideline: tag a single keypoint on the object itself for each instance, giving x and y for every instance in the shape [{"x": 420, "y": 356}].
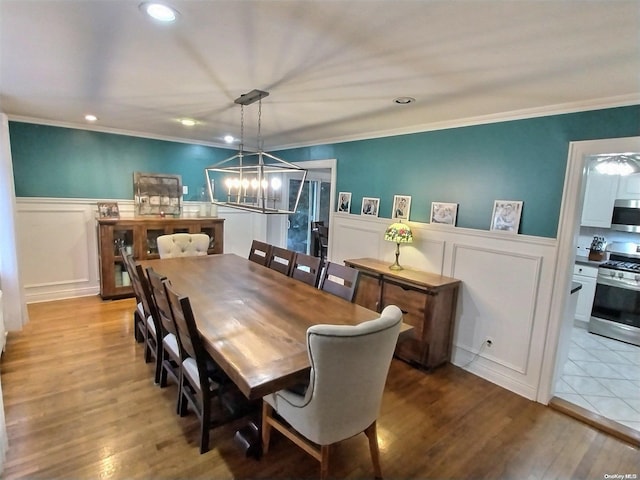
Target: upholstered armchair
[
  {"x": 183, "y": 245},
  {"x": 349, "y": 366}
]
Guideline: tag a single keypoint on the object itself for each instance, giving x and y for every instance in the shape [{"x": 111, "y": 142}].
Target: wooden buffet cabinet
[
  {"x": 427, "y": 300},
  {"x": 139, "y": 236}
]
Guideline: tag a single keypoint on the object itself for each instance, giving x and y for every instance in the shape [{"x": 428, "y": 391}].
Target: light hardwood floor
[{"x": 80, "y": 403}]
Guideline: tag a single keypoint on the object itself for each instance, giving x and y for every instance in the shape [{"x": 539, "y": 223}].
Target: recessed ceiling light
[
  {"x": 404, "y": 100},
  {"x": 187, "y": 122},
  {"x": 90, "y": 118},
  {"x": 229, "y": 138},
  {"x": 159, "y": 11}
]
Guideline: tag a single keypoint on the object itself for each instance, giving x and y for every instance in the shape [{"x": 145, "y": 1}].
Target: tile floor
[{"x": 603, "y": 376}]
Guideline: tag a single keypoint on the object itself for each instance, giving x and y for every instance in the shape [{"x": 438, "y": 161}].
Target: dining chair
[
  {"x": 139, "y": 319},
  {"x": 183, "y": 245},
  {"x": 306, "y": 269},
  {"x": 260, "y": 252},
  {"x": 169, "y": 355},
  {"x": 340, "y": 280},
  {"x": 349, "y": 367},
  {"x": 281, "y": 260},
  {"x": 201, "y": 379},
  {"x": 153, "y": 338},
  {"x": 323, "y": 242}
]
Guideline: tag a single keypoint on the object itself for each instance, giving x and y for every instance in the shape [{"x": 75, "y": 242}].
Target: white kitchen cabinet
[
  {"x": 599, "y": 195},
  {"x": 629, "y": 187},
  {"x": 585, "y": 275}
]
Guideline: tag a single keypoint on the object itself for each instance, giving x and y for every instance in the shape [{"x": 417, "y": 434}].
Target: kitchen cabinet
[
  {"x": 586, "y": 276},
  {"x": 139, "y": 236},
  {"x": 629, "y": 187},
  {"x": 599, "y": 196},
  {"x": 428, "y": 303}
]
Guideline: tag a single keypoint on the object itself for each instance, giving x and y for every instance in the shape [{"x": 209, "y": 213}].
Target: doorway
[
  {"x": 568, "y": 234},
  {"x": 313, "y": 206}
]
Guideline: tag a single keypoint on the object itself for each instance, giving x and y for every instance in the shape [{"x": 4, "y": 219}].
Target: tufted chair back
[{"x": 183, "y": 245}]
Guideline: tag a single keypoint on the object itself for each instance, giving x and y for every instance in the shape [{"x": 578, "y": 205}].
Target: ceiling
[{"x": 332, "y": 68}]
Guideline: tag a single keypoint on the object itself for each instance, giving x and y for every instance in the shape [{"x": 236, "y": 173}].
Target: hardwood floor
[{"x": 80, "y": 403}]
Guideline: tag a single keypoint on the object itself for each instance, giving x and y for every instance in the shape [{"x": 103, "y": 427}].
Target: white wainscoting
[
  {"x": 58, "y": 255},
  {"x": 506, "y": 290},
  {"x": 507, "y": 280}
]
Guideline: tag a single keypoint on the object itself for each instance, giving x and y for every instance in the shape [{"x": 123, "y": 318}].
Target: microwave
[{"x": 626, "y": 216}]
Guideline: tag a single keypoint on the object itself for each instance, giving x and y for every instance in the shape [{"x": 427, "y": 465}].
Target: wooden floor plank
[{"x": 80, "y": 403}]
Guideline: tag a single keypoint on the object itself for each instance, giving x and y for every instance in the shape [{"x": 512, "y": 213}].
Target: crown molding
[{"x": 558, "y": 109}]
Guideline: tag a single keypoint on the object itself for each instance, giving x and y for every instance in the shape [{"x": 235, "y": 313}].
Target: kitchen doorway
[{"x": 568, "y": 234}]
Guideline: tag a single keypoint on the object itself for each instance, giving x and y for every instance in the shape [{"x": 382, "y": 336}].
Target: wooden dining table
[{"x": 253, "y": 320}]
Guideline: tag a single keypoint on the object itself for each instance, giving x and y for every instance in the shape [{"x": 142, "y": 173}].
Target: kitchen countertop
[{"x": 582, "y": 260}]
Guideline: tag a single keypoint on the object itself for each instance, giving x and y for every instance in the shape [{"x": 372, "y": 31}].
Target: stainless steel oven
[{"x": 616, "y": 305}]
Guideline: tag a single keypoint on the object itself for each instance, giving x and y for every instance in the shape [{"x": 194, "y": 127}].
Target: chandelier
[
  {"x": 617, "y": 164},
  {"x": 256, "y": 181}
]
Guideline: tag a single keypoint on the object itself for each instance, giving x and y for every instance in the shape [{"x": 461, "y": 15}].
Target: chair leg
[
  {"x": 267, "y": 411},
  {"x": 324, "y": 461},
  {"x": 205, "y": 425},
  {"x": 372, "y": 434}
]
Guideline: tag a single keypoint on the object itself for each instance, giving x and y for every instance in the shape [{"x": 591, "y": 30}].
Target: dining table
[{"x": 252, "y": 319}]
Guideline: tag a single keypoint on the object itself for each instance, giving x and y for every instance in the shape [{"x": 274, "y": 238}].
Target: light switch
[{"x": 185, "y": 189}]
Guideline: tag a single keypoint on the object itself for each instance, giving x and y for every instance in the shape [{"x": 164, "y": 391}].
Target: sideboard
[
  {"x": 138, "y": 236},
  {"x": 427, "y": 300}
]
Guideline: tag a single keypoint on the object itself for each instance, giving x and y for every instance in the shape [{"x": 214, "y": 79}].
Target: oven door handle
[{"x": 617, "y": 283}]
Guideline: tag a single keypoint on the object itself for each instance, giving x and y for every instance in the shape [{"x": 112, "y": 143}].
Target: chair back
[
  {"x": 340, "y": 280},
  {"x": 260, "y": 252},
  {"x": 164, "y": 318},
  {"x": 349, "y": 367},
  {"x": 190, "y": 343},
  {"x": 306, "y": 269},
  {"x": 141, "y": 288},
  {"x": 183, "y": 245},
  {"x": 281, "y": 260}
]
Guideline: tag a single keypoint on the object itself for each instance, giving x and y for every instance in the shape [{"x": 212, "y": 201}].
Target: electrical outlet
[
  {"x": 185, "y": 189},
  {"x": 489, "y": 342}
]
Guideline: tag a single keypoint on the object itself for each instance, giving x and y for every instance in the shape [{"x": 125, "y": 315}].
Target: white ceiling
[{"x": 332, "y": 68}]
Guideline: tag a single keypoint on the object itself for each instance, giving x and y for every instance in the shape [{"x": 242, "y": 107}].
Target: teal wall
[
  {"x": 68, "y": 163},
  {"x": 472, "y": 166}
]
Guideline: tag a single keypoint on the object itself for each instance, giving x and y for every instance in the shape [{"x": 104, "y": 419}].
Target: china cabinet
[{"x": 139, "y": 237}]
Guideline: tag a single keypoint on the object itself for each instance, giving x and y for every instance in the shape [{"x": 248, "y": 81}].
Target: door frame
[
  {"x": 567, "y": 239},
  {"x": 277, "y": 227}
]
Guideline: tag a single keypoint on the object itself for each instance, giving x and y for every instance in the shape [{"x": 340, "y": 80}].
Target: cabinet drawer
[
  {"x": 410, "y": 300},
  {"x": 585, "y": 270}
]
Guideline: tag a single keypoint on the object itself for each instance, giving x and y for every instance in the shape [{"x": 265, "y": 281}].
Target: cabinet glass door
[
  {"x": 122, "y": 237},
  {"x": 211, "y": 231},
  {"x": 152, "y": 240}
]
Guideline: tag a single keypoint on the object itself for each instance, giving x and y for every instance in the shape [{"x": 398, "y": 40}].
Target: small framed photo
[
  {"x": 108, "y": 211},
  {"x": 344, "y": 202},
  {"x": 370, "y": 206},
  {"x": 444, "y": 213},
  {"x": 506, "y": 216},
  {"x": 401, "y": 207}
]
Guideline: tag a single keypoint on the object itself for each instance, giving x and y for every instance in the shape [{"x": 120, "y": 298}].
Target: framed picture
[
  {"x": 401, "y": 207},
  {"x": 344, "y": 202},
  {"x": 108, "y": 211},
  {"x": 506, "y": 216},
  {"x": 157, "y": 194},
  {"x": 370, "y": 206},
  {"x": 444, "y": 213}
]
